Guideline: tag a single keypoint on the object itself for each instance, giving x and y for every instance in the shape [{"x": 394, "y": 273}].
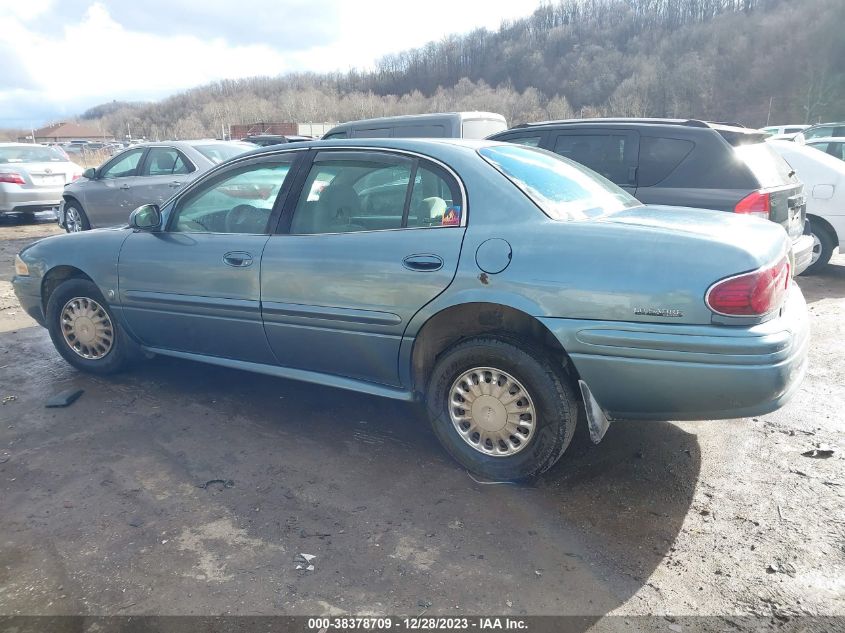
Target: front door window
[{"x": 240, "y": 202}]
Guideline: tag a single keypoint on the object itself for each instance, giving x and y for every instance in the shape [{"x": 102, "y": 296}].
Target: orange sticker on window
[{"x": 452, "y": 217}]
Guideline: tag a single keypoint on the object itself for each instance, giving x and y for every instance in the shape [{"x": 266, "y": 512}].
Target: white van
[{"x": 440, "y": 125}]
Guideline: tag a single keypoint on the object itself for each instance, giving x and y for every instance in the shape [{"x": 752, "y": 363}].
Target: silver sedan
[
  {"x": 148, "y": 173},
  {"x": 32, "y": 177}
]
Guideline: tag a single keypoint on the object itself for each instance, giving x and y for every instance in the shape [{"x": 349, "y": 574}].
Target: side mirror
[
  {"x": 90, "y": 173},
  {"x": 147, "y": 217}
]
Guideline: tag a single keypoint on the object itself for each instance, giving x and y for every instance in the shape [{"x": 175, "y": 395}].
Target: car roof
[
  {"x": 622, "y": 121},
  {"x": 826, "y": 124},
  {"x": 182, "y": 144},
  {"x": 408, "y": 144}
]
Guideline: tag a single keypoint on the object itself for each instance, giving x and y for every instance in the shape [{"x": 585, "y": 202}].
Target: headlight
[{"x": 20, "y": 267}]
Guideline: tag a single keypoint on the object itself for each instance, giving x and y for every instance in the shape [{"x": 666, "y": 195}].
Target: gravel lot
[{"x": 105, "y": 506}]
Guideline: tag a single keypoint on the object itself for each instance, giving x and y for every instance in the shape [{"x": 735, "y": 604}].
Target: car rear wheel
[
  {"x": 501, "y": 408},
  {"x": 823, "y": 245},
  {"x": 84, "y": 329},
  {"x": 75, "y": 218}
]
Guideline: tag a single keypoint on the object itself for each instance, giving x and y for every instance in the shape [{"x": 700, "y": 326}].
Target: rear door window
[
  {"x": 165, "y": 161},
  {"x": 659, "y": 157},
  {"x": 613, "y": 155}
]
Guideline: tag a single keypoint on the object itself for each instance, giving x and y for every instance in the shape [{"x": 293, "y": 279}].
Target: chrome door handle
[
  {"x": 175, "y": 183},
  {"x": 238, "y": 259},
  {"x": 423, "y": 263},
  {"x": 124, "y": 187}
]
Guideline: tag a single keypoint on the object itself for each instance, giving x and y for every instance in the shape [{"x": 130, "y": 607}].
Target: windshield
[
  {"x": 30, "y": 154},
  {"x": 563, "y": 189},
  {"x": 218, "y": 152}
]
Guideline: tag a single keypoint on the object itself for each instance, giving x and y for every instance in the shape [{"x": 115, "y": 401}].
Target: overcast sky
[{"x": 59, "y": 57}]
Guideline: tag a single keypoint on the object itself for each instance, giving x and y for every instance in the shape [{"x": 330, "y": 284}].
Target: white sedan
[
  {"x": 824, "y": 185},
  {"x": 33, "y": 177}
]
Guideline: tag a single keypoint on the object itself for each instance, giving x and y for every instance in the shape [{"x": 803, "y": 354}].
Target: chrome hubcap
[
  {"x": 73, "y": 222},
  {"x": 492, "y": 411},
  {"x": 87, "y": 328},
  {"x": 817, "y": 250}
]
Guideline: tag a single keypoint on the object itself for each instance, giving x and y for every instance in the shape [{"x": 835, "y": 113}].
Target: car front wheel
[
  {"x": 75, "y": 218},
  {"x": 84, "y": 330},
  {"x": 501, "y": 407}
]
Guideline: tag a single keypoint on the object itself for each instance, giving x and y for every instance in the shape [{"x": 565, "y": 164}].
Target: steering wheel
[{"x": 239, "y": 219}]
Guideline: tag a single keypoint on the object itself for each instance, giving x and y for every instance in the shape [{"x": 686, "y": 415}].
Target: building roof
[{"x": 68, "y": 130}]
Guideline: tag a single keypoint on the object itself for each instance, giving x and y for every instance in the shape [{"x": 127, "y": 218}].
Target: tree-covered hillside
[{"x": 726, "y": 60}]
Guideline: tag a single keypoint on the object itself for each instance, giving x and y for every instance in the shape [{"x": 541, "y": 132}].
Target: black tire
[
  {"x": 554, "y": 400},
  {"x": 826, "y": 245},
  {"x": 122, "y": 348},
  {"x": 84, "y": 224}
]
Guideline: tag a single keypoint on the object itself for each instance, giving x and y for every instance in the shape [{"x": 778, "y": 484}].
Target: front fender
[{"x": 94, "y": 253}]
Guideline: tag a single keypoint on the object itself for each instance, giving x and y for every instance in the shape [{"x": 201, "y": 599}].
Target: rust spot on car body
[{"x": 483, "y": 278}]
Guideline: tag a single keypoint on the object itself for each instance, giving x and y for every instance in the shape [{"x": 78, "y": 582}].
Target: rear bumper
[
  {"x": 677, "y": 372},
  {"x": 28, "y": 292},
  {"x": 15, "y": 199},
  {"x": 802, "y": 253}
]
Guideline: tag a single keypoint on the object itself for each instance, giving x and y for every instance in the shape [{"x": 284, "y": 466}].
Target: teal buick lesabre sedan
[{"x": 500, "y": 285}]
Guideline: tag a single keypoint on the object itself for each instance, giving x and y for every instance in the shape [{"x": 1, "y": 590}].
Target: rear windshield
[
  {"x": 563, "y": 189},
  {"x": 766, "y": 164},
  {"x": 36, "y": 154},
  {"x": 218, "y": 152}
]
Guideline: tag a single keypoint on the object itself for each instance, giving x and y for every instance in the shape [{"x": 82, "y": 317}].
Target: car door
[
  {"x": 368, "y": 240},
  {"x": 108, "y": 200},
  {"x": 611, "y": 153},
  {"x": 163, "y": 172},
  {"x": 194, "y": 286}
]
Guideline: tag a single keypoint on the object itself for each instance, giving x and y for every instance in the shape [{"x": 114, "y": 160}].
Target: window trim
[
  {"x": 179, "y": 152},
  {"x": 297, "y": 184},
  {"x": 216, "y": 176}
]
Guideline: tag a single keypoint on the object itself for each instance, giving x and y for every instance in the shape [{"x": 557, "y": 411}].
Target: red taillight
[
  {"x": 751, "y": 294},
  {"x": 76, "y": 177},
  {"x": 11, "y": 177},
  {"x": 755, "y": 203}
]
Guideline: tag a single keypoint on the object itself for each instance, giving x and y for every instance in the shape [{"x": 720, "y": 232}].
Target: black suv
[{"x": 684, "y": 163}]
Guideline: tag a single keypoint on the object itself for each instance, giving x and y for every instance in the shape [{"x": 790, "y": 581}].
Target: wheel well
[
  {"x": 56, "y": 276},
  {"x": 828, "y": 227},
  {"x": 460, "y": 322}
]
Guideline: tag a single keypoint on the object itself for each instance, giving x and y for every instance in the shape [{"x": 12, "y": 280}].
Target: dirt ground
[{"x": 105, "y": 506}]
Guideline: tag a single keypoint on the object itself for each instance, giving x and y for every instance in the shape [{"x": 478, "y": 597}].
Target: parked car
[
  {"x": 684, "y": 163},
  {"x": 490, "y": 285},
  {"x": 833, "y": 145},
  {"x": 263, "y": 140},
  {"x": 150, "y": 172},
  {"x": 821, "y": 130},
  {"x": 786, "y": 132},
  {"x": 824, "y": 183},
  {"x": 441, "y": 125},
  {"x": 32, "y": 177}
]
